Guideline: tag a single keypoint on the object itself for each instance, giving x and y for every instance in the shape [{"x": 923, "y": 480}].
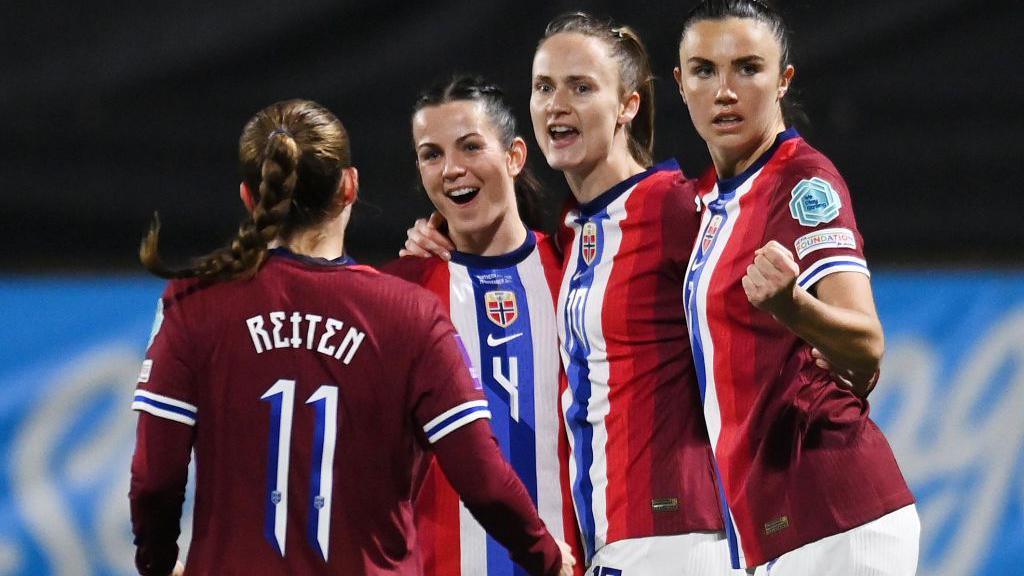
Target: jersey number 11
[{"x": 281, "y": 397}]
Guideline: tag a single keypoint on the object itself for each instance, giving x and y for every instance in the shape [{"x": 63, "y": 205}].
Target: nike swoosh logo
[
  {"x": 492, "y": 341},
  {"x": 696, "y": 266}
]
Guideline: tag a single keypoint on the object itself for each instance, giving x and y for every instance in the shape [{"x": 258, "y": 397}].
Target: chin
[{"x": 562, "y": 162}]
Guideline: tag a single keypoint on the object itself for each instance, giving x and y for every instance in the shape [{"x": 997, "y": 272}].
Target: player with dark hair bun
[
  {"x": 809, "y": 483},
  {"x": 312, "y": 390},
  {"x": 499, "y": 288}
]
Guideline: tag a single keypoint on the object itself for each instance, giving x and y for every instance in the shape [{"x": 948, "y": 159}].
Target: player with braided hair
[{"x": 311, "y": 389}]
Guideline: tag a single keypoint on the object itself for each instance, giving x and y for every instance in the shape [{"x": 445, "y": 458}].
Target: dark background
[{"x": 114, "y": 111}]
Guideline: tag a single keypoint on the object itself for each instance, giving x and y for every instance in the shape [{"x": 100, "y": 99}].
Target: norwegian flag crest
[
  {"x": 709, "y": 235},
  {"x": 588, "y": 244},
  {"x": 501, "y": 307}
]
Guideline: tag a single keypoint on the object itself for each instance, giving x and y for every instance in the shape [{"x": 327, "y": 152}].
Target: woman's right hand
[
  {"x": 425, "y": 239},
  {"x": 568, "y": 561}
]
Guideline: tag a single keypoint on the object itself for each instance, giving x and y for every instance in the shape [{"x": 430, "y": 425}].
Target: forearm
[
  {"x": 850, "y": 339},
  {"x": 497, "y": 498},
  {"x": 159, "y": 475}
]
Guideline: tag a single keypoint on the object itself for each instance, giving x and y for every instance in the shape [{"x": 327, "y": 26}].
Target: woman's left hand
[{"x": 770, "y": 282}]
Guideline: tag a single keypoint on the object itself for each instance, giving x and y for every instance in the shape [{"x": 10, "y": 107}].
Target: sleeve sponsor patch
[
  {"x": 147, "y": 367},
  {"x": 826, "y": 238},
  {"x": 814, "y": 202}
]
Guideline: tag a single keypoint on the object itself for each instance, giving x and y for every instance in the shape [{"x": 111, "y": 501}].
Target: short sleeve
[
  {"x": 445, "y": 395},
  {"x": 818, "y": 225},
  {"x": 166, "y": 384}
]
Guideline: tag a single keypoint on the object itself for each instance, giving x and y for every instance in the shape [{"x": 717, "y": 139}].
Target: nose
[
  {"x": 453, "y": 168},
  {"x": 725, "y": 94},
  {"x": 559, "y": 101}
]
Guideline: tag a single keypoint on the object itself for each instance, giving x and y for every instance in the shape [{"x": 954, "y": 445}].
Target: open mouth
[
  {"x": 727, "y": 120},
  {"x": 462, "y": 195},
  {"x": 560, "y": 133}
]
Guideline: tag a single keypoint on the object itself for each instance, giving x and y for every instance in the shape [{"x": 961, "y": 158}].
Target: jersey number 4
[{"x": 281, "y": 397}]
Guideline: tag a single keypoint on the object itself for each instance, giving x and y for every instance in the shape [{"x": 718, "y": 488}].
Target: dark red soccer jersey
[
  {"x": 313, "y": 391},
  {"x": 799, "y": 458}
]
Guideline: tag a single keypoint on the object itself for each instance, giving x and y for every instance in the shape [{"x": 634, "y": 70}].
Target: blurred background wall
[{"x": 111, "y": 113}]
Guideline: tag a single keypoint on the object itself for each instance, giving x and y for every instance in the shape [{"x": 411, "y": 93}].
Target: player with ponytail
[
  {"x": 312, "y": 390},
  {"x": 809, "y": 482}
]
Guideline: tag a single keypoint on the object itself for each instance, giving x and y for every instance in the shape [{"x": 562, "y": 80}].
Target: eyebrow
[
  {"x": 462, "y": 138},
  {"x": 751, "y": 59},
  {"x": 571, "y": 78},
  {"x": 458, "y": 140}
]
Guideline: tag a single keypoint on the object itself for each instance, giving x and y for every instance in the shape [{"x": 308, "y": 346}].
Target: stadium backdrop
[{"x": 951, "y": 400}]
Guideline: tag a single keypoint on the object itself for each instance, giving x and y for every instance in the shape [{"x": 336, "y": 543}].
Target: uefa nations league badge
[{"x": 814, "y": 202}]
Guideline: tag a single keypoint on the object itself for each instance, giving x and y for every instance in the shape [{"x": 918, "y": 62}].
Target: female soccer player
[
  {"x": 311, "y": 389},
  {"x": 810, "y": 483},
  {"x": 640, "y": 463},
  {"x": 499, "y": 289}
]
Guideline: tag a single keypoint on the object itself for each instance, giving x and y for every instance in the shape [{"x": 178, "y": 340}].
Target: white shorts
[
  {"x": 887, "y": 546},
  {"x": 693, "y": 554}
]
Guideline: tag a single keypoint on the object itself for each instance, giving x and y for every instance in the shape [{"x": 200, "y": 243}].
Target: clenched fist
[{"x": 770, "y": 282}]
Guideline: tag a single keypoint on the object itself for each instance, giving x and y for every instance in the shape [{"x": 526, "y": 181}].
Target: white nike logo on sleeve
[{"x": 492, "y": 341}]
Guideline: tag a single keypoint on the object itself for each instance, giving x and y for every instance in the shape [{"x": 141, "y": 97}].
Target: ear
[
  {"x": 677, "y": 73},
  {"x": 629, "y": 108},
  {"x": 348, "y": 188},
  {"x": 246, "y": 196},
  {"x": 516, "y": 157},
  {"x": 785, "y": 79}
]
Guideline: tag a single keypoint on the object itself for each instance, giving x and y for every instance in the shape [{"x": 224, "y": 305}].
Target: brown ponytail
[
  {"x": 292, "y": 153},
  {"x": 628, "y": 50}
]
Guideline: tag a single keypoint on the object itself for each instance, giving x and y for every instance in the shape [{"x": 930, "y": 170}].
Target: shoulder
[
  {"x": 668, "y": 178},
  {"x": 801, "y": 161},
  {"x": 388, "y": 286},
  {"x": 549, "y": 249},
  {"x": 663, "y": 187},
  {"x": 411, "y": 268},
  {"x": 183, "y": 292}
]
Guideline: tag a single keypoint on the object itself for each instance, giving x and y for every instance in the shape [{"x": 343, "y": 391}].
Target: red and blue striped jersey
[
  {"x": 641, "y": 464},
  {"x": 503, "y": 308},
  {"x": 798, "y": 457}
]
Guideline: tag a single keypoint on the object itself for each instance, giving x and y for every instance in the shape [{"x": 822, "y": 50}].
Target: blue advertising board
[{"x": 951, "y": 400}]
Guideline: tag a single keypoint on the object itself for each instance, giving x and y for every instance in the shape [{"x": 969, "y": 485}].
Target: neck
[
  {"x": 326, "y": 240},
  {"x": 507, "y": 234},
  {"x": 590, "y": 184},
  {"x": 729, "y": 163}
]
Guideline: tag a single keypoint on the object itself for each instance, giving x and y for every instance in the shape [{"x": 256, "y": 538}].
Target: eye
[
  {"x": 702, "y": 71},
  {"x": 583, "y": 88},
  {"x": 750, "y": 69},
  {"x": 472, "y": 146},
  {"x": 428, "y": 155},
  {"x": 539, "y": 86}
]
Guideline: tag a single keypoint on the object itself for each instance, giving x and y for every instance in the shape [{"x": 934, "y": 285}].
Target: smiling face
[
  {"x": 729, "y": 78},
  {"x": 468, "y": 173},
  {"x": 578, "y": 112}
]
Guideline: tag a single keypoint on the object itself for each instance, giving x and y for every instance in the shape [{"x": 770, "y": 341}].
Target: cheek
[{"x": 430, "y": 177}]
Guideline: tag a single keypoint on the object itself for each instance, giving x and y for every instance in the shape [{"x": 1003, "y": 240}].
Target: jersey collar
[
  {"x": 729, "y": 185},
  {"x": 344, "y": 260},
  {"x": 507, "y": 260},
  {"x": 608, "y": 196}
]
